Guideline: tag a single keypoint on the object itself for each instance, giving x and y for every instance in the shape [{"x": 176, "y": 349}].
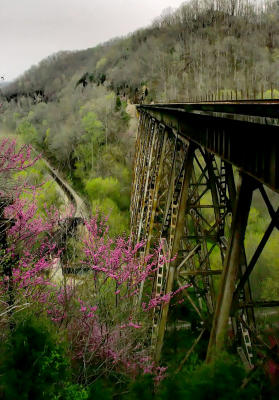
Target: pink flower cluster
[
  {"x": 98, "y": 333},
  {"x": 161, "y": 299},
  {"x": 13, "y": 159}
]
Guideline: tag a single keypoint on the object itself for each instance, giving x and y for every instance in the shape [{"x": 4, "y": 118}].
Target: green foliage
[
  {"x": 118, "y": 221},
  {"x": 87, "y": 151},
  {"x": 73, "y": 251},
  {"x": 33, "y": 175},
  {"x": 178, "y": 341},
  {"x": 118, "y": 104},
  {"x": 48, "y": 196},
  {"x": 73, "y": 391},
  {"x": 28, "y": 131},
  {"x": 85, "y": 131},
  {"x": 172, "y": 58},
  {"x": 107, "y": 196},
  {"x": 92, "y": 126},
  {"x": 101, "y": 63},
  {"x": 33, "y": 365},
  {"x": 220, "y": 380},
  {"x": 141, "y": 388},
  {"x": 102, "y": 188},
  {"x": 269, "y": 95},
  {"x": 85, "y": 135},
  {"x": 265, "y": 282},
  {"x": 100, "y": 390},
  {"x": 47, "y": 193}
]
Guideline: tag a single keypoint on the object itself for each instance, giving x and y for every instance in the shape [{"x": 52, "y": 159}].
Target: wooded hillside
[
  {"x": 204, "y": 46},
  {"x": 88, "y": 336}
]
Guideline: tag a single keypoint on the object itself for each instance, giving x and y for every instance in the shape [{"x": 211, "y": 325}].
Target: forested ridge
[
  {"x": 203, "y": 46},
  {"x": 77, "y": 338},
  {"x": 215, "y": 47}
]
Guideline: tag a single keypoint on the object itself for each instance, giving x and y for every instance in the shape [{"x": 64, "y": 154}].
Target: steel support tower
[{"x": 196, "y": 168}]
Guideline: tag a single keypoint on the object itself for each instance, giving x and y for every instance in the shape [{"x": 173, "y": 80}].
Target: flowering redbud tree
[
  {"x": 98, "y": 310},
  {"x": 24, "y": 238}
]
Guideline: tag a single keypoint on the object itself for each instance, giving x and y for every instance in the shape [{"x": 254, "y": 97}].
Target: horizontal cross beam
[{"x": 244, "y": 134}]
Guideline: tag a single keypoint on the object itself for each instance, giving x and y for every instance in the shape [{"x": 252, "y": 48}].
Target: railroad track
[
  {"x": 80, "y": 213},
  {"x": 80, "y": 208}
]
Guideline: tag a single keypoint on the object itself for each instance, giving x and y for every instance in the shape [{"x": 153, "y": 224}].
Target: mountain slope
[
  {"x": 204, "y": 46},
  {"x": 73, "y": 105}
]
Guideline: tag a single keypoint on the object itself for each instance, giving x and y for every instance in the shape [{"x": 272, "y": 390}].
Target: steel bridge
[{"x": 196, "y": 168}]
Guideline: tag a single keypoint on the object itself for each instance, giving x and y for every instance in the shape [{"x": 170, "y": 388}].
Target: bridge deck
[{"x": 244, "y": 133}]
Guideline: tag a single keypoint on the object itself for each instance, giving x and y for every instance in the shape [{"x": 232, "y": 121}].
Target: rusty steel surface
[
  {"x": 184, "y": 197},
  {"x": 243, "y": 133}
]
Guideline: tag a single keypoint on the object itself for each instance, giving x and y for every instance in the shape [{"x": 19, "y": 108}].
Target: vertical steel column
[
  {"x": 179, "y": 231},
  {"x": 155, "y": 194},
  {"x": 141, "y": 140},
  {"x": 147, "y": 135},
  {"x": 153, "y": 133},
  {"x": 232, "y": 266}
]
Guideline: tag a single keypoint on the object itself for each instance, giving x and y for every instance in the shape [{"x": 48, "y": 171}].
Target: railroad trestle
[{"x": 196, "y": 168}]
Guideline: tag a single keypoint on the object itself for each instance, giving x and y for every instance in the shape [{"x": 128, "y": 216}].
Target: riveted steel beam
[
  {"x": 242, "y": 134},
  {"x": 231, "y": 267},
  {"x": 221, "y": 133},
  {"x": 179, "y": 229}
]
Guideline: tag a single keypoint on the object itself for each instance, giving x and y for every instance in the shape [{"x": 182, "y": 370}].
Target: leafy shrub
[
  {"x": 141, "y": 388},
  {"x": 33, "y": 365},
  {"x": 221, "y": 379},
  {"x": 102, "y": 188},
  {"x": 99, "y": 390},
  {"x": 106, "y": 196}
]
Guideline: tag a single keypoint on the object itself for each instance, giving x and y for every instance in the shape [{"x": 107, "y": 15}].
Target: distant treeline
[
  {"x": 72, "y": 106},
  {"x": 204, "y": 46}
]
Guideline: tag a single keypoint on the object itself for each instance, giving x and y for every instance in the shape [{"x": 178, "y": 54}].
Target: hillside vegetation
[
  {"x": 204, "y": 46},
  {"x": 86, "y": 339},
  {"x": 75, "y": 107}
]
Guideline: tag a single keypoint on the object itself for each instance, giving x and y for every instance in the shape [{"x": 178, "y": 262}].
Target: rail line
[{"x": 80, "y": 209}]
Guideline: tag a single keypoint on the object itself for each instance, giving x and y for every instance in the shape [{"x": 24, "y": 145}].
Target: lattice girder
[{"x": 184, "y": 198}]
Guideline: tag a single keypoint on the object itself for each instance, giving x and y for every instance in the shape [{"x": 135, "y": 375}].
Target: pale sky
[{"x": 30, "y": 30}]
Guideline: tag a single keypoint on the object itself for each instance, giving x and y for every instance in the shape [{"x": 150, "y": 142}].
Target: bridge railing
[{"x": 261, "y": 92}]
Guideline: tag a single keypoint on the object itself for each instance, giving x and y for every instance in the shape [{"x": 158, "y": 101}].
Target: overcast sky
[{"x": 30, "y": 30}]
